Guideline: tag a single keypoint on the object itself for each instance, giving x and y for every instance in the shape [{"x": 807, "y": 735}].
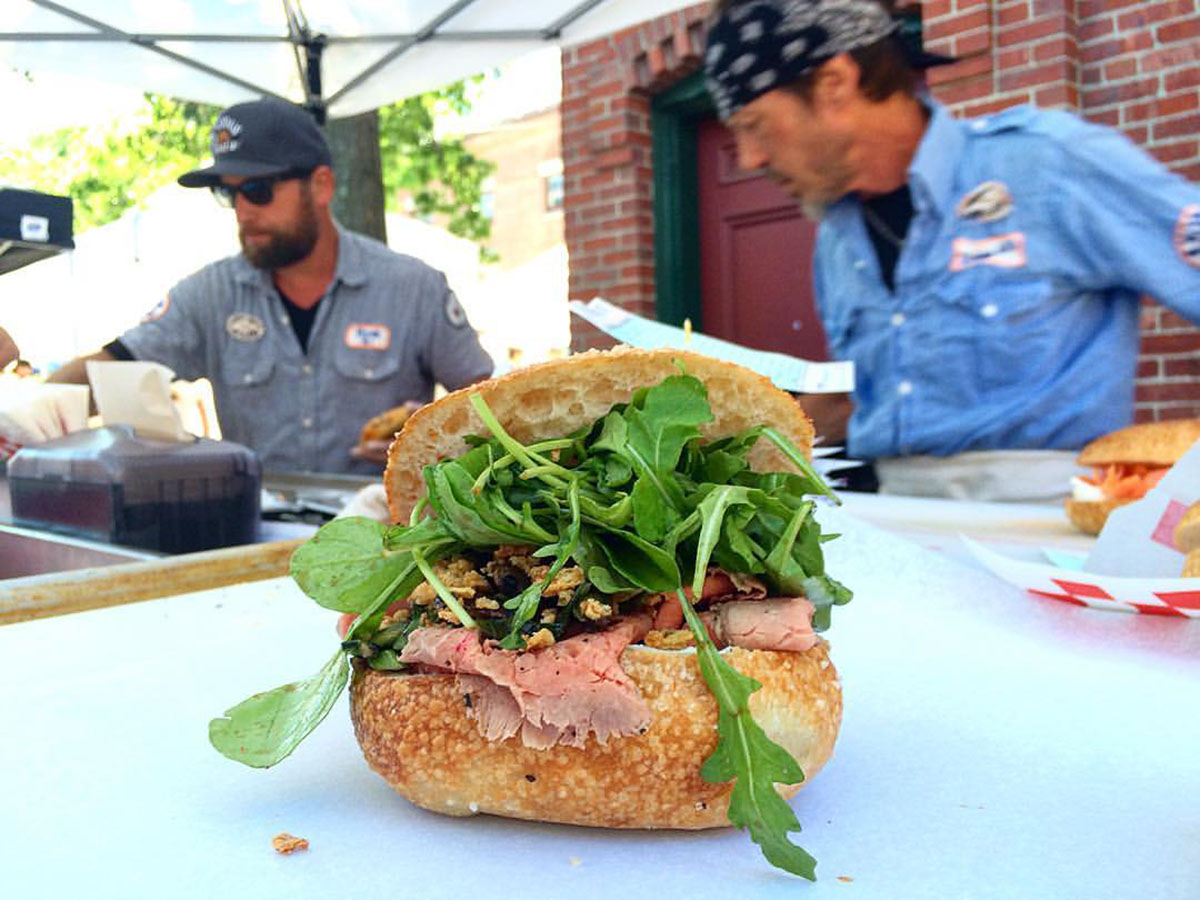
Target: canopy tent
[{"x": 337, "y": 57}]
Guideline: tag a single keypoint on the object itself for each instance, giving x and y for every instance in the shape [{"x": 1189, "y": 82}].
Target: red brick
[
  {"x": 945, "y": 28},
  {"x": 1182, "y": 367},
  {"x": 1095, "y": 29},
  {"x": 1011, "y": 59},
  {"x": 1120, "y": 93},
  {"x": 961, "y": 91},
  {"x": 959, "y": 71},
  {"x": 988, "y": 108},
  {"x": 1178, "y": 31},
  {"x": 1149, "y": 368},
  {"x": 1170, "y": 411},
  {"x": 1058, "y": 96},
  {"x": 970, "y": 44},
  {"x": 1169, "y": 343},
  {"x": 1056, "y": 49},
  {"x": 1149, "y": 13},
  {"x": 1169, "y": 153},
  {"x": 934, "y": 9},
  {"x": 1172, "y": 322},
  {"x": 1139, "y": 134},
  {"x": 1105, "y": 50},
  {"x": 1182, "y": 126},
  {"x": 1191, "y": 172},
  {"x": 1166, "y": 391},
  {"x": 1110, "y": 117},
  {"x": 1120, "y": 68},
  {"x": 1090, "y": 8},
  {"x": 1012, "y": 14},
  {"x": 1038, "y": 75},
  {"x": 1025, "y": 34},
  {"x": 1169, "y": 57},
  {"x": 1179, "y": 81}
]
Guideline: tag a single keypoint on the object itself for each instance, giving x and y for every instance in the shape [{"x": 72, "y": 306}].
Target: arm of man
[
  {"x": 75, "y": 372},
  {"x": 1136, "y": 224}
]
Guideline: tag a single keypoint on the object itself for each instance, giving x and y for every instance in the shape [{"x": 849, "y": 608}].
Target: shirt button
[
  {"x": 980, "y": 124},
  {"x": 307, "y": 368},
  {"x": 370, "y": 373},
  {"x": 898, "y": 319},
  {"x": 307, "y": 422},
  {"x": 904, "y": 388},
  {"x": 283, "y": 320},
  {"x": 989, "y": 310},
  {"x": 247, "y": 378},
  {"x": 860, "y": 264}
]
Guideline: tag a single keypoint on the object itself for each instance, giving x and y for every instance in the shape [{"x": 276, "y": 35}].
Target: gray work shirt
[{"x": 388, "y": 328}]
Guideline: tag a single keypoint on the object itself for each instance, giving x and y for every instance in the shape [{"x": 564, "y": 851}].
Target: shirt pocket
[
  {"x": 247, "y": 365},
  {"x": 1007, "y": 328},
  {"x": 368, "y": 383}
]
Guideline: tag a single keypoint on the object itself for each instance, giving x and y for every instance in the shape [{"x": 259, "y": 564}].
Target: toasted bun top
[
  {"x": 1156, "y": 443},
  {"x": 552, "y": 399}
]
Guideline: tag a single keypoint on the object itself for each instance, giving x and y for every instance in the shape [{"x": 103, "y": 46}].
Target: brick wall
[{"x": 1134, "y": 66}]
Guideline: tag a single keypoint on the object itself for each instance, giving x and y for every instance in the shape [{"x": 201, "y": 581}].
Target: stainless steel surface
[
  {"x": 25, "y": 552},
  {"x": 993, "y": 746}
]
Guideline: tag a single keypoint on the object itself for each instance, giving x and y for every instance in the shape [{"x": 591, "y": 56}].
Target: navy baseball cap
[{"x": 261, "y": 138}]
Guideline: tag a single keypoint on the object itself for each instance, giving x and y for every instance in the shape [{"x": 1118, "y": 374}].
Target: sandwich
[
  {"x": 600, "y": 604},
  {"x": 1126, "y": 465},
  {"x": 1187, "y": 540},
  {"x": 387, "y": 424}
]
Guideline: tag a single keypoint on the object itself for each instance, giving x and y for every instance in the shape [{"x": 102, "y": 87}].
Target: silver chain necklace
[{"x": 880, "y": 227}]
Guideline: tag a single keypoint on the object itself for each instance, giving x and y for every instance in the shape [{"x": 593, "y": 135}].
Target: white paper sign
[
  {"x": 787, "y": 372},
  {"x": 1138, "y": 538},
  {"x": 138, "y": 394}
]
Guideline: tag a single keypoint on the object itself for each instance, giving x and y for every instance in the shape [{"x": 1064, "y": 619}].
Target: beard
[{"x": 286, "y": 247}]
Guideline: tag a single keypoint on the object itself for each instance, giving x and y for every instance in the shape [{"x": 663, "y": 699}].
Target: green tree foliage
[
  {"x": 108, "y": 169},
  {"x": 443, "y": 180}
]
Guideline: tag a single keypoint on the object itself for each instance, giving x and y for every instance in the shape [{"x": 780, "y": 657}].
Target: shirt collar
[
  {"x": 931, "y": 174},
  {"x": 350, "y": 269}
]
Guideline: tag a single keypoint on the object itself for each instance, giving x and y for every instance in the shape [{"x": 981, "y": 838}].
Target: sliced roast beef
[
  {"x": 778, "y": 623},
  {"x": 557, "y": 695}
]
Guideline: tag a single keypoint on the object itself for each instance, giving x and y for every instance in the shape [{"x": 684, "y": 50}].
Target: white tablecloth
[{"x": 993, "y": 746}]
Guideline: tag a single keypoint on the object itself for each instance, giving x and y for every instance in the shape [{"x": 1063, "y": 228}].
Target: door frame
[{"x": 674, "y": 116}]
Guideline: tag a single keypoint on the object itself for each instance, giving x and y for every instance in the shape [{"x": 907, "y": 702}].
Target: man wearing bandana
[{"x": 984, "y": 276}]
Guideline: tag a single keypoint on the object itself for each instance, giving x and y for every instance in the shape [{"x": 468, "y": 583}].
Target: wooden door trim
[{"x": 674, "y": 115}]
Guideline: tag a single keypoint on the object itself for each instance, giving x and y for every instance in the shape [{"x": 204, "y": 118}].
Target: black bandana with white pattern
[{"x": 756, "y": 47}]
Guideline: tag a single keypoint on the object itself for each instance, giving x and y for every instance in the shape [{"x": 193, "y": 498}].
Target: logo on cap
[{"x": 225, "y": 134}]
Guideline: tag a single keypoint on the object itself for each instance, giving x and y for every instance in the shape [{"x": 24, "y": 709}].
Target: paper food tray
[{"x": 1155, "y": 596}]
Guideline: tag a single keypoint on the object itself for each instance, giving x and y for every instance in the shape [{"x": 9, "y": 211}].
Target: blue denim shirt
[
  {"x": 387, "y": 329},
  {"x": 1013, "y": 325}
]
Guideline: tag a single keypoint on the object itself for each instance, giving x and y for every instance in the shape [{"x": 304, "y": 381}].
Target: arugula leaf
[
  {"x": 746, "y": 756},
  {"x": 267, "y": 727},
  {"x": 345, "y": 563},
  {"x": 667, "y": 419}
]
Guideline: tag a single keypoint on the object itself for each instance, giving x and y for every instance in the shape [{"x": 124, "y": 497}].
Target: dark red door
[{"x": 755, "y": 255}]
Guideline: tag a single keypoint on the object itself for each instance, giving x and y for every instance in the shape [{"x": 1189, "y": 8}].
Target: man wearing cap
[
  {"x": 312, "y": 329},
  {"x": 984, "y": 276}
]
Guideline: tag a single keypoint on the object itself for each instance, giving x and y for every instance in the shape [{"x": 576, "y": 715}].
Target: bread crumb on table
[{"x": 286, "y": 843}]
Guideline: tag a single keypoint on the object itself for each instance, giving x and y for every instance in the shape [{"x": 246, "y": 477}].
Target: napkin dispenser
[{"x": 109, "y": 484}]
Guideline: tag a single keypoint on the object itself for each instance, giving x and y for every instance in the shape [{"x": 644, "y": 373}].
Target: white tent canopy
[{"x": 342, "y": 57}]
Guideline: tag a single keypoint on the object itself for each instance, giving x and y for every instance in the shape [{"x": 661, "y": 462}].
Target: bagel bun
[
  {"x": 1154, "y": 443},
  {"x": 552, "y": 399},
  {"x": 415, "y": 732},
  {"x": 1089, "y": 516}
]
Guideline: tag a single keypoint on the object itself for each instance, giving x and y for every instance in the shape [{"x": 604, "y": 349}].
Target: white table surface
[{"x": 993, "y": 746}]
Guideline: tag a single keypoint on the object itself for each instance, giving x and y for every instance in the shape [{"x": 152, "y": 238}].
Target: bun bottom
[
  {"x": 1089, "y": 516},
  {"x": 415, "y": 732}
]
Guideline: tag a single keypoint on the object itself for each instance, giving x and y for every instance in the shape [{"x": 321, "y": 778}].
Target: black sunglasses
[{"x": 259, "y": 191}]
